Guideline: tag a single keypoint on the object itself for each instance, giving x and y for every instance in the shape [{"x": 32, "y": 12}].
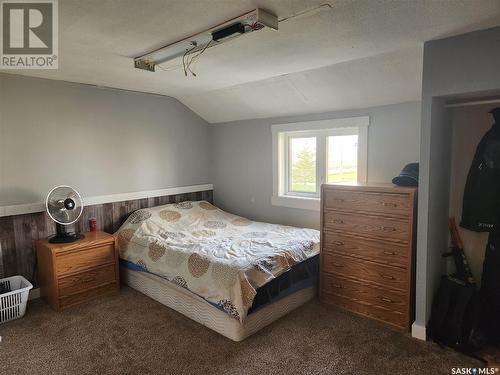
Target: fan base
[{"x": 66, "y": 237}]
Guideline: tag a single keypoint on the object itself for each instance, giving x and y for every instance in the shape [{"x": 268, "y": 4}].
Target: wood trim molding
[
  {"x": 321, "y": 129},
  {"x": 19, "y": 233},
  {"x": 21, "y": 209}
]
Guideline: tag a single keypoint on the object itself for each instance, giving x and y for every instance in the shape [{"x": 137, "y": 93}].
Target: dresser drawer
[
  {"x": 85, "y": 259},
  {"x": 375, "y": 203},
  {"x": 370, "y": 226},
  {"x": 365, "y": 293},
  {"x": 385, "y": 276},
  {"x": 393, "y": 317},
  {"x": 79, "y": 282},
  {"x": 87, "y": 295},
  {"x": 374, "y": 250}
]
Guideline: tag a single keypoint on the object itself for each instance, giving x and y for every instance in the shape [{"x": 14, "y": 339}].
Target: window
[
  {"x": 307, "y": 154},
  {"x": 342, "y": 158},
  {"x": 302, "y": 165}
]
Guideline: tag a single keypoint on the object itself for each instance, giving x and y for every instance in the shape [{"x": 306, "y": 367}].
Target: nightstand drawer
[
  {"x": 370, "y": 226},
  {"x": 87, "y": 295},
  {"x": 385, "y": 276},
  {"x": 376, "y": 203},
  {"x": 79, "y": 282},
  {"x": 374, "y": 250},
  {"x": 85, "y": 259},
  {"x": 365, "y": 293}
]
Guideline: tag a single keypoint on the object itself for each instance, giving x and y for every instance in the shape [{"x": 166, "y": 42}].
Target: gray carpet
[{"x": 131, "y": 334}]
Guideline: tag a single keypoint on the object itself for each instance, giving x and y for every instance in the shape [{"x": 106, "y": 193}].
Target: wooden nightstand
[{"x": 73, "y": 273}]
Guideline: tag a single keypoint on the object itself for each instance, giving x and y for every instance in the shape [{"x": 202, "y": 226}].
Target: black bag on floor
[
  {"x": 489, "y": 296},
  {"x": 452, "y": 315}
]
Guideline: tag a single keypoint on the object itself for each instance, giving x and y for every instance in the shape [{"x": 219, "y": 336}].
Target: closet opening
[{"x": 459, "y": 168}]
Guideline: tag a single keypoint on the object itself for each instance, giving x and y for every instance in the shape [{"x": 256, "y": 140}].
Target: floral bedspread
[{"x": 221, "y": 257}]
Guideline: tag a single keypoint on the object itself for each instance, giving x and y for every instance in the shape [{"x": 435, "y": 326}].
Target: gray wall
[
  {"x": 466, "y": 65},
  {"x": 101, "y": 141},
  {"x": 242, "y": 159}
]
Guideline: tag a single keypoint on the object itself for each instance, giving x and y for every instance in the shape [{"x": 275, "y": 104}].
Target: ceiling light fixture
[{"x": 255, "y": 20}]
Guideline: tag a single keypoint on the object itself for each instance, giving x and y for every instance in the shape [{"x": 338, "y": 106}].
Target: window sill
[{"x": 302, "y": 203}]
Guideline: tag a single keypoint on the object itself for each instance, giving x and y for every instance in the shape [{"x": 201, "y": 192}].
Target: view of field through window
[
  {"x": 341, "y": 163},
  {"x": 342, "y": 158}
]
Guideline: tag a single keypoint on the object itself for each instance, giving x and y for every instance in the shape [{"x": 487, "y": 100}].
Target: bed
[{"x": 224, "y": 271}]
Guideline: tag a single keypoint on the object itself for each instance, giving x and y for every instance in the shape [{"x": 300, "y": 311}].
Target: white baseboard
[
  {"x": 34, "y": 294},
  {"x": 418, "y": 332},
  {"x": 21, "y": 209}
]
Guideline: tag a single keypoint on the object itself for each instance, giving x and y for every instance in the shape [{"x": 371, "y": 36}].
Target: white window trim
[{"x": 280, "y": 135}]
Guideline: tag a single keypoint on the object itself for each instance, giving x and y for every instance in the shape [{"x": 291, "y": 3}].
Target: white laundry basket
[{"x": 13, "y": 303}]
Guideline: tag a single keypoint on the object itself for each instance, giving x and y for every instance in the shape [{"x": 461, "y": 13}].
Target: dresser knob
[
  {"x": 386, "y": 299},
  {"x": 389, "y": 229},
  {"x": 389, "y": 252},
  {"x": 388, "y": 204},
  {"x": 338, "y": 243},
  {"x": 388, "y": 277},
  {"x": 338, "y": 221},
  {"x": 338, "y": 265},
  {"x": 338, "y": 200},
  {"x": 338, "y": 286},
  {"x": 87, "y": 279}
]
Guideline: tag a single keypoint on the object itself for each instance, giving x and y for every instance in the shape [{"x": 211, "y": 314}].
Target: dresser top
[{"x": 375, "y": 187}]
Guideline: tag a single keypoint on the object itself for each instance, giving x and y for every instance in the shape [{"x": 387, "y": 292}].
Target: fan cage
[{"x": 48, "y": 210}]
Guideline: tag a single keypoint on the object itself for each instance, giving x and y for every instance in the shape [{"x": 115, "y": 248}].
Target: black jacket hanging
[{"x": 481, "y": 205}]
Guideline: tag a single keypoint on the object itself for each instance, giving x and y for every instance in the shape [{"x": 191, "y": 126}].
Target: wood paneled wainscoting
[{"x": 18, "y": 233}]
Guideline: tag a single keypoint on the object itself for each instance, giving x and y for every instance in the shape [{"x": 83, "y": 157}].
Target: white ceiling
[{"x": 359, "y": 53}]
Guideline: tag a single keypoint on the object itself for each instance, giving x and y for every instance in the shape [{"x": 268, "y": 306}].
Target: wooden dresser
[
  {"x": 73, "y": 273},
  {"x": 367, "y": 250}
]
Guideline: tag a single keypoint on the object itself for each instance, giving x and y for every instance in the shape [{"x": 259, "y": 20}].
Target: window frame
[{"x": 321, "y": 129}]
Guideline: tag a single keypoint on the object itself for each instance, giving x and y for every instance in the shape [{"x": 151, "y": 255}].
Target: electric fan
[{"x": 64, "y": 206}]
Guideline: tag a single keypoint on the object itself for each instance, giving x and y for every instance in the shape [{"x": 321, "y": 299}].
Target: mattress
[
  {"x": 199, "y": 310},
  {"x": 300, "y": 276},
  {"x": 219, "y": 256}
]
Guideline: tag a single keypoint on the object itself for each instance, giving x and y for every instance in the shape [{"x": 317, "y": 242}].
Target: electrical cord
[
  {"x": 196, "y": 57},
  {"x": 328, "y": 5},
  {"x": 186, "y": 64},
  {"x": 184, "y": 59}
]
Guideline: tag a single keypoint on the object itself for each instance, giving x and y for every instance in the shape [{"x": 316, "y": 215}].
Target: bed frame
[{"x": 197, "y": 309}]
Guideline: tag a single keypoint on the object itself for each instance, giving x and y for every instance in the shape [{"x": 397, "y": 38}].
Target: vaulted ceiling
[{"x": 357, "y": 53}]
